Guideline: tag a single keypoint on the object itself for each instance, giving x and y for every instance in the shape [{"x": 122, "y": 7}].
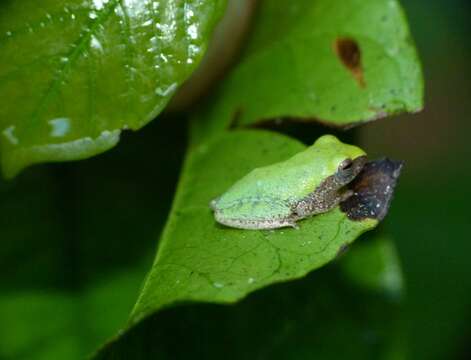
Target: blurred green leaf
[
  {"x": 74, "y": 73},
  {"x": 435, "y": 257},
  {"x": 48, "y": 324},
  {"x": 293, "y": 67},
  {"x": 373, "y": 264}
]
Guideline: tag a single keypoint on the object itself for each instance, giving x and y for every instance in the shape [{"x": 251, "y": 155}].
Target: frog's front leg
[
  {"x": 319, "y": 202},
  {"x": 312, "y": 204}
]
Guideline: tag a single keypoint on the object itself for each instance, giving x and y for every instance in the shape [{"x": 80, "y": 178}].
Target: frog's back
[{"x": 287, "y": 181}]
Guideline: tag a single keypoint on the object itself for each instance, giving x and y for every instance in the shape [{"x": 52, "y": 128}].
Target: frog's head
[
  {"x": 344, "y": 161},
  {"x": 349, "y": 169}
]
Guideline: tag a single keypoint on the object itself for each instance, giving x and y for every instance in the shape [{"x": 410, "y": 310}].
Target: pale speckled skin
[{"x": 278, "y": 195}]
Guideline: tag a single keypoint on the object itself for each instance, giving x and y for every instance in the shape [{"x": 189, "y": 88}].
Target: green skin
[{"x": 311, "y": 182}]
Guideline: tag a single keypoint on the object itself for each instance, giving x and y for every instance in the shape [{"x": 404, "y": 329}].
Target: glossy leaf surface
[{"x": 74, "y": 73}]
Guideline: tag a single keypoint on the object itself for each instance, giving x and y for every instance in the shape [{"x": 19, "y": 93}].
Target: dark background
[{"x": 430, "y": 216}]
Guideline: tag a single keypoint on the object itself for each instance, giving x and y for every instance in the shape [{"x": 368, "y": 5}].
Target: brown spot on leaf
[
  {"x": 349, "y": 53},
  {"x": 373, "y": 190}
]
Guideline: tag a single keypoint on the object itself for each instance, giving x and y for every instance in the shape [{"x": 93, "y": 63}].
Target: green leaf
[
  {"x": 65, "y": 325},
  {"x": 199, "y": 260},
  {"x": 339, "y": 62},
  {"x": 74, "y": 73},
  {"x": 373, "y": 264}
]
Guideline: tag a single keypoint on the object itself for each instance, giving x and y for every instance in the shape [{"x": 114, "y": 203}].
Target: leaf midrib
[{"x": 77, "y": 50}]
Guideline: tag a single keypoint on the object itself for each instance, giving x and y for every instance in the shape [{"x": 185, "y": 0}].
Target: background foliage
[{"x": 78, "y": 239}]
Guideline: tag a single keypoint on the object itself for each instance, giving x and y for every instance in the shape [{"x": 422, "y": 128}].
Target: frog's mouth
[{"x": 358, "y": 165}]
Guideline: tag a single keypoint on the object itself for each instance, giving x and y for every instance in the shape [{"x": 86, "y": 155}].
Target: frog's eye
[
  {"x": 345, "y": 172},
  {"x": 346, "y": 164}
]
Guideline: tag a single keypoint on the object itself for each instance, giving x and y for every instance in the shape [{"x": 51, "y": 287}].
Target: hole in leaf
[{"x": 349, "y": 53}]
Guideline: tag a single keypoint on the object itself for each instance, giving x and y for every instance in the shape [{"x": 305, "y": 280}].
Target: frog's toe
[{"x": 212, "y": 204}]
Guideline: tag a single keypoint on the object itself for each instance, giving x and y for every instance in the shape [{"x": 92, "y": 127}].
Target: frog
[{"x": 311, "y": 182}]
